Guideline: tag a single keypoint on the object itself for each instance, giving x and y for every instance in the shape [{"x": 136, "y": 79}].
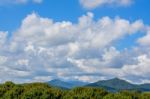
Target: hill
[
  {"x": 117, "y": 84},
  {"x": 65, "y": 84}
]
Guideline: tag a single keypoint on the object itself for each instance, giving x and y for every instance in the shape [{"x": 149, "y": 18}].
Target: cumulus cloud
[
  {"x": 90, "y": 4},
  {"x": 145, "y": 41},
  {"x": 139, "y": 69},
  {"x": 3, "y": 38},
  {"x": 42, "y": 49}
]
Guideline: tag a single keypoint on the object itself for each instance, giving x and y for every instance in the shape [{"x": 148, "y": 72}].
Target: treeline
[{"x": 9, "y": 90}]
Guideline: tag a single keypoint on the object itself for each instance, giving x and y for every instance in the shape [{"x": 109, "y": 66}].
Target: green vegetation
[{"x": 9, "y": 90}]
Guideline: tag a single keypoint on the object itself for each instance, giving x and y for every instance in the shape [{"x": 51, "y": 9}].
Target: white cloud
[
  {"x": 139, "y": 69},
  {"x": 3, "y": 38},
  {"x": 42, "y": 49},
  {"x": 90, "y": 4},
  {"x": 145, "y": 40},
  {"x": 24, "y": 62},
  {"x": 137, "y": 72},
  {"x": 42, "y": 78},
  {"x": 3, "y": 59},
  {"x": 110, "y": 54},
  {"x": 91, "y": 79}
]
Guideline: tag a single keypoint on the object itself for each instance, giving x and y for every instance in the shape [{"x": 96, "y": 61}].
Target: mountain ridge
[
  {"x": 117, "y": 84},
  {"x": 113, "y": 85},
  {"x": 66, "y": 84}
]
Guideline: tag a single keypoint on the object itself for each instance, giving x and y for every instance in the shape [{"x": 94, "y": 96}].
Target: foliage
[
  {"x": 9, "y": 90},
  {"x": 86, "y": 93}
]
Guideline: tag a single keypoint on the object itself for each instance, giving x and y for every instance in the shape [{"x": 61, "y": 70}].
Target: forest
[{"x": 10, "y": 90}]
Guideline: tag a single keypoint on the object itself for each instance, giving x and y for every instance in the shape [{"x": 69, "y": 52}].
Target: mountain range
[
  {"x": 112, "y": 85},
  {"x": 66, "y": 84}
]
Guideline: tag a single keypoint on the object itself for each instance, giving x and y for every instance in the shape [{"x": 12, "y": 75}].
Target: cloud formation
[
  {"x": 91, "y": 4},
  {"x": 145, "y": 41},
  {"x": 42, "y": 49}
]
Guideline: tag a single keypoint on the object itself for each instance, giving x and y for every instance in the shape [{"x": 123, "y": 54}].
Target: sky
[{"x": 85, "y": 40}]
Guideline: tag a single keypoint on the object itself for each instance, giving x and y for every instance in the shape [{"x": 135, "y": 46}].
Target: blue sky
[
  {"x": 70, "y": 10},
  {"x": 11, "y": 15},
  {"x": 88, "y": 40}
]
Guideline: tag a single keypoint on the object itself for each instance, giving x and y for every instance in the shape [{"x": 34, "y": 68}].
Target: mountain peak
[
  {"x": 114, "y": 83},
  {"x": 54, "y": 80},
  {"x": 116, "y": 79}
]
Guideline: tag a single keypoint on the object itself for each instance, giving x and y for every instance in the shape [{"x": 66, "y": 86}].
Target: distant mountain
[
  {"x": 112, "y": 85},
  {"x": 117, "y": 84},
  {"x": 143, "y": 87},
  {"x": 66, "y": 84},
  {"x": 59, "y": 83},
  {"x": 77, "y": 83}
]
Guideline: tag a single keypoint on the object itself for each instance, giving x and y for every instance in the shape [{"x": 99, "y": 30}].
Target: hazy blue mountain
[
  {"x": 66, "y": 84},
  {"x": 114, "y": 85},
  {"x": 143, "y": 87},
  {"x": 59, "y": 83},
  {"x": 77, "y": 83}
]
